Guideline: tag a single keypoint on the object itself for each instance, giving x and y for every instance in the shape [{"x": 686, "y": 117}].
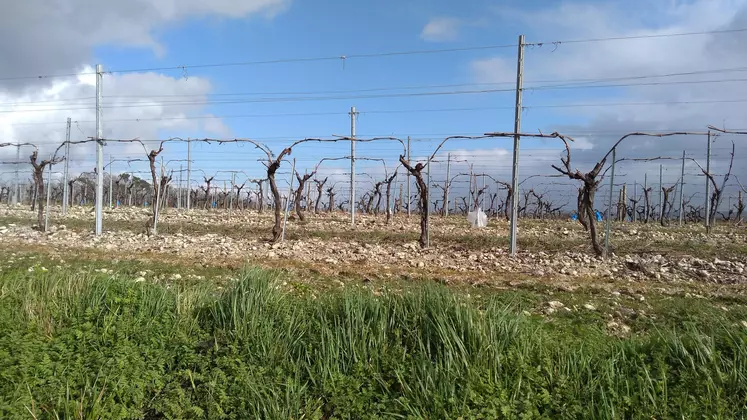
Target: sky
[{"x": 277, "y": 71}]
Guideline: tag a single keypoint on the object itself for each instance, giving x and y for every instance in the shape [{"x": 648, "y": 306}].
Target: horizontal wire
[
  {"x": 538, "y": 106},
  {"x": 377, "y": 55}
]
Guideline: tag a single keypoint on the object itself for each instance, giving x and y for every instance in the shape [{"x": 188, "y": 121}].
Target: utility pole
[
  {"x": 393, "y": 202},
  {"x": 470, "y": 193},
  {"x": 287, "y": 200},
  {"x": 609, "y": 204},
  {"x": 132, "y": 181},
  {"x": 708, "y": 186},
  {"x": 99, "y": 154},
  {"x": 648, "y": 205},
  {"x": 230, "y": 193},
  {"x": 517, "y": 139},
  {"x": 157, "y": 201},
  {"x": 180, "y": 189},
  {"x": 353, "y": 114},
  {"x": 682, "y": 191},
  {"x": 401, "y": 203},
  {"x": 308, "y": 194},
  {"x": 661, "y": 191},
  {"x": 17, "y": 195},
  {"x": 49, "y": 193},
  {"x": 65, "y": 192},
  {"x": 426, "y": 210},
  {"x": 635, "y": 197},
  {"x": 111, "y": 180},
  {"x": 162, "y": 191},
  {"x": 446, "y": 187},
  {"x": 482, "y": 202},
  {"x": 189, "y": 171},
  {"x": 408, "y": 177}
]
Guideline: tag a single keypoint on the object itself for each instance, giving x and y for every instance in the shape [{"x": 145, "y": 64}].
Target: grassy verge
[{"x": 81, "y": 344}]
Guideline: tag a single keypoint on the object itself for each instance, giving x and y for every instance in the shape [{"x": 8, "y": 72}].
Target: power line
[
  {"x": 558, "y": 84},
  {"x": 343, "y": 58},
  {"x": 602, "y": 104},
  {"x": 625, "y": 38},
  {"x": 679, "y": 82},
  {"x": 538, "y": 106},
  {"x": 275, "y": 100}
]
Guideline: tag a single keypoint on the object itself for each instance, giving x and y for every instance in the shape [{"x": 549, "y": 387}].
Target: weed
[{"x": 89, "y": 344}]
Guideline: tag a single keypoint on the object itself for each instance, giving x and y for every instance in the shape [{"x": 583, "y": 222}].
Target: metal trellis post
[
  {"x": 609, "y": 204},
  {"x": 682, "y": 191},
  {"x": 287, "y": 200},
  {"x": 352, "y": 165},
  {"x": 517, "y": 140},
  {"x": 99, "y": 153},
  {"x": 65, "y": 192}
]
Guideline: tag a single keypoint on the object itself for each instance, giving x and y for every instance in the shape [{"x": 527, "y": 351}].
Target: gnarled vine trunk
[
  {"x": 277, "y": 229},
  {"x": 319, "y": 189},
  {"x": 589, "y": 190},
  {"x": 331, "y": 195},
  {"x": 38, "y": 176},
  {"x": 581, "y": 212},
  {"x": 299, "y": 194},
  {"x": 417, "y": 172}
]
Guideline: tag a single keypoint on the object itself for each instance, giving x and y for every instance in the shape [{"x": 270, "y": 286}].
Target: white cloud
[
  {"x": 135, "y": 106},
  {"x": 582, "y": 143},
  {"x": 494, "y": 70},
  {"x": 596, "y": 127},
  {"x": 62, "y": 34},
  {"x": 441, "y": 29}
]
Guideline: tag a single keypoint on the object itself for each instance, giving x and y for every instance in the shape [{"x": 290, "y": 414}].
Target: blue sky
[
  {"x": 147, "y": 34},
  {"x": 332, "y": 29}
]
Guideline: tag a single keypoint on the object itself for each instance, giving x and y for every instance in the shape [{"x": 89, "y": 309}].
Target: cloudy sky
[{"x": 280, "y": 70}]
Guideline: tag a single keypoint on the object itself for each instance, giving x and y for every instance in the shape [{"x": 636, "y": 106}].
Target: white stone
[{"x": 554, "y": 304}]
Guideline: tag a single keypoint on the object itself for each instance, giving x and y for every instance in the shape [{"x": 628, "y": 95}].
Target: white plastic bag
[{"x": 477, "y": 218}]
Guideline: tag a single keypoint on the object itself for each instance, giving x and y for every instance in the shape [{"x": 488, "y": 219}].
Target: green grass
[{"x": 80, "y": 344}]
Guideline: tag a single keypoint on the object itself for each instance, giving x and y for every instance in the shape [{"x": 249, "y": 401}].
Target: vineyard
[
  {"x": 364, "y": 323},
  {"x": 449, "y": 283},
  {"x": 205, "y": 227}
]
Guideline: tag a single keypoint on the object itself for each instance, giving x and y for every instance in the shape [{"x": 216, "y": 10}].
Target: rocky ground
[
  {"x": 553, "y": 250},
  {"x": 653, "y": 273}
]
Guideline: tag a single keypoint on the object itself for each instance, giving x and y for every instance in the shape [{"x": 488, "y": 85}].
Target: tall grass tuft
[{"x": 85, "y": 346}]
